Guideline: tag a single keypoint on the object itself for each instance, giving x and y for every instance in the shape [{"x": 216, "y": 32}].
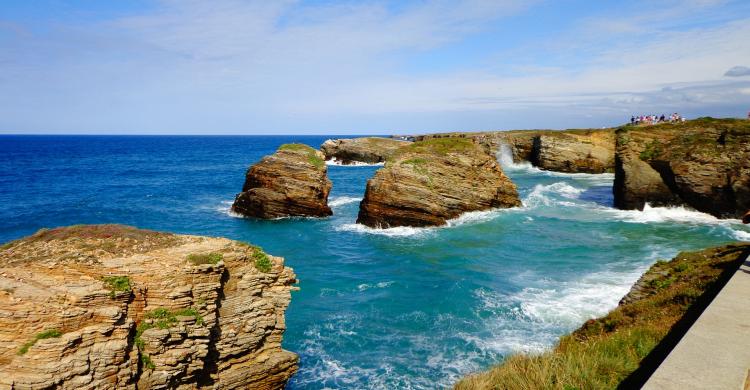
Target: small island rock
[
  {"x": 432, "y": 181},
  {"x": 368, "y": 150},
  {"x": 291, "y": 182}
]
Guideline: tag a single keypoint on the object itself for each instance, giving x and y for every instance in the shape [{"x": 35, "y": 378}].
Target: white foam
[
  {"x": 336, "y": 162},
  {"x": 677, "y": 214},
  {"x": 342, "y": 200},
  {"x": 544, "y": 194},
  {"x": 366, "y": 286},
  {"x": 741, "y": 235},
  {"x": 400, "y": 231},
  {"x": 505, "y": 158},
  {"x": 225, "y": 207}
]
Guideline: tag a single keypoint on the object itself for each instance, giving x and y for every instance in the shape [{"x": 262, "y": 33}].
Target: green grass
[
  {"x": 606, "y": 350},
  {"x": 312, "y": 156},
  {"x": 147, "y": 362},
  {"x": 653, "y": 149},
  {"x": 440, "y": 146},
  {"x": 262, "y": 261},
  {"x": 163, "y": 318},
  {"x": 116, "y": 284},
  {"x": 47, "y": 334},
  {"x": 205, "y": 258}
]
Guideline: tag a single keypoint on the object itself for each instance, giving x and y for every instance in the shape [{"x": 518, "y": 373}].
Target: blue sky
[{"x": 338, "y": 67}]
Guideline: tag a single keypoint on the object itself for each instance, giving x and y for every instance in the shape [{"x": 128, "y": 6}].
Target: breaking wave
[
  {"x": 335, "y": 162},
  {"x": 342, "y": 200}
]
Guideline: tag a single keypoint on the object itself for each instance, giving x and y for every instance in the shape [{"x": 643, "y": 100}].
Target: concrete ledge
[{"x": 715, "y": 352}]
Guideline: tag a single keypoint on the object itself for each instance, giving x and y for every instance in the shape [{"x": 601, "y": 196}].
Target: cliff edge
[
  {"x": 115, "y": 307},
  {"x": 702, "y": 163}
]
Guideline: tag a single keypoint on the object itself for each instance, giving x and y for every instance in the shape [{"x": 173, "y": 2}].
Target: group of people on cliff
[{"x": 653, "y": 119}]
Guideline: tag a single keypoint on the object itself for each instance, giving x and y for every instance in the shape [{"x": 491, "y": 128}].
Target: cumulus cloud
[{"x": 738, "y": 71}]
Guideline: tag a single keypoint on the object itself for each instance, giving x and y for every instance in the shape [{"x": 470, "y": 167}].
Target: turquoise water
[{"x": 397, "y": 308}]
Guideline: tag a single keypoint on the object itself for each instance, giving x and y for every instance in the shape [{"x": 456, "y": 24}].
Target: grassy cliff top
[
  {"x": 438, "y": 147},
  {"x": 605, "y": 351},
  {"x": 312, "y": 154}
]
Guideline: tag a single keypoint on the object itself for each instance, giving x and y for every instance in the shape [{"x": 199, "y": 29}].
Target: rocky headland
[
  {"x": 571, "y": 151},
  {"x": 291, "y": 182},
  {"x": 702, "y": 163},
  {"x": 431, "y": 181},
  {"x": 622, "y": 348},
  {"x": 368, "y": 150},
  {"x": 115, "y": 307}
]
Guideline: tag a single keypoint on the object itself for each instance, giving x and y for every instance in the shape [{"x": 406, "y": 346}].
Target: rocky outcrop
[
  {"x": 586, "y": 151},
  {"x": 746, "y": 218},
  {"x": 369, "y": 150},
  {"x": 571, "y": 151},
  {"x": 114, "y": 307},
  {"x": 291, "y": 182},
  {"x": 432, "y": 181},
  {"x": 704, "y": 164}
]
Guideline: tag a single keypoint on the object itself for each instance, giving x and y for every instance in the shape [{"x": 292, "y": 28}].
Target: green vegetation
[
  {"x": 147, "y": 362},
  {"x": 162, "y": 318},
  {"x": 440, "y": 146},
  {"x": 415, "y": 161},
  {"x": 205, "y": 258},
  {"x": 47, "y": 334},
  {"x": 604, "y": 351},
  {"x": 262, "y": 261},
  {"x": 312, "y": 156},
  {"x": 653, "y": 149},
  {"x": 117, "y": 283}
]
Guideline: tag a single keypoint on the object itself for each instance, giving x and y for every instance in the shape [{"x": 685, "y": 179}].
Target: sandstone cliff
[
  {"x": 571, "y": 151},
  {"x": 370, "y": 150},
  {"x": 432, "y": 181},
  {"x": 704, "y": 163},
  {"x": 114, "y": 307},
  {"x": 291, "y": 182}
]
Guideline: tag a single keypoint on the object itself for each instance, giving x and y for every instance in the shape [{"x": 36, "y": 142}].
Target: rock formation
[
  {"x": 574, "y": 151},
  {"x": 571, "y": 151},
  {"x": 114, "y": 307},
  {"x": 432, "y": 181},
  {"x": 704, "y": 164},
  {"x": 291, "y": 182},
  {"x": 746, "y": 218},
  {"x": 370, "y": 150}
]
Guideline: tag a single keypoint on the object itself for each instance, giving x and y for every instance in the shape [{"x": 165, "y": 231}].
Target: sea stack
[
  {"x": 431, "y": 181},
  {"x": 115, "y": 307},
  {"x": 291, "y": 182},
  {"x": 702, "y": 163},
  {"x": 368, "y": 150}
]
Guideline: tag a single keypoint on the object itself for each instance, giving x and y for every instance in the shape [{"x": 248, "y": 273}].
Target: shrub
[
  {"x": 147, "y": 362},
  {"x": 47, "y": 334},
  {"x": 262, "y": 261},
  {"x": 117, "y": 283},
  {"x": 205, "y": 258},
  {"x": 312, "y": 155}
]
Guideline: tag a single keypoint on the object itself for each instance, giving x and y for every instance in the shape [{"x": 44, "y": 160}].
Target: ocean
[{"x": 406, "y": 308}]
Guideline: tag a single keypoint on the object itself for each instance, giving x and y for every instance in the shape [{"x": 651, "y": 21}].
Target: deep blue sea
[{"x": 400, "y": 308}]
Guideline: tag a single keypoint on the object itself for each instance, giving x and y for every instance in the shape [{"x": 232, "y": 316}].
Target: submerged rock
[
  {"x": 369, "y": 150},
  {"x": 115, "y": 307},
  {"x": 432, "y": 181},
  {"x": 290, "y": 182},
  {"x": 703, "y": 163}
]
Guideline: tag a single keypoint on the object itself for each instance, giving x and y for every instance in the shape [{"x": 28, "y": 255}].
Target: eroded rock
[
  {"x": 291, "y": 182},
  {"x": 369, "y": 150},
  {"x": 114, "y": 307},
  {"x": 704, "y": 164},
  {"x": 435, "y": 180}
]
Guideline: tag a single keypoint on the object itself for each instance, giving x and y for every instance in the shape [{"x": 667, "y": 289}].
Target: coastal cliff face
[
  {"x": 370, "y": 150},
  {"x": 704, "y": 164},
  {"x": 571, "y": 151},
  {"x": 291, "y": 182},
  {"x": 114, "y": 307},
  {"x": 432, "y": 181}
]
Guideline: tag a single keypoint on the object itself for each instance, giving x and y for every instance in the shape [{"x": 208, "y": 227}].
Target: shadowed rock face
[
  {"x": 370, "y": 150},
  {"x": 432, "y": 181},
  {"x": 114, "y": 307},
  {"x": 291, "y": 182},
  {"x": 704, "y": 164}
]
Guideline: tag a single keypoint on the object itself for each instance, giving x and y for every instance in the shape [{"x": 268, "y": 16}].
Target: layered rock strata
[
  {"x": 291, "y": 182},
  {"x": 432, "y": 181},
  {"x": 369, "y": 150},
  {"x": 704, "y": 164},
  {"x": 571, "y": 151},
  {"x": 114, "y": 307}
]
